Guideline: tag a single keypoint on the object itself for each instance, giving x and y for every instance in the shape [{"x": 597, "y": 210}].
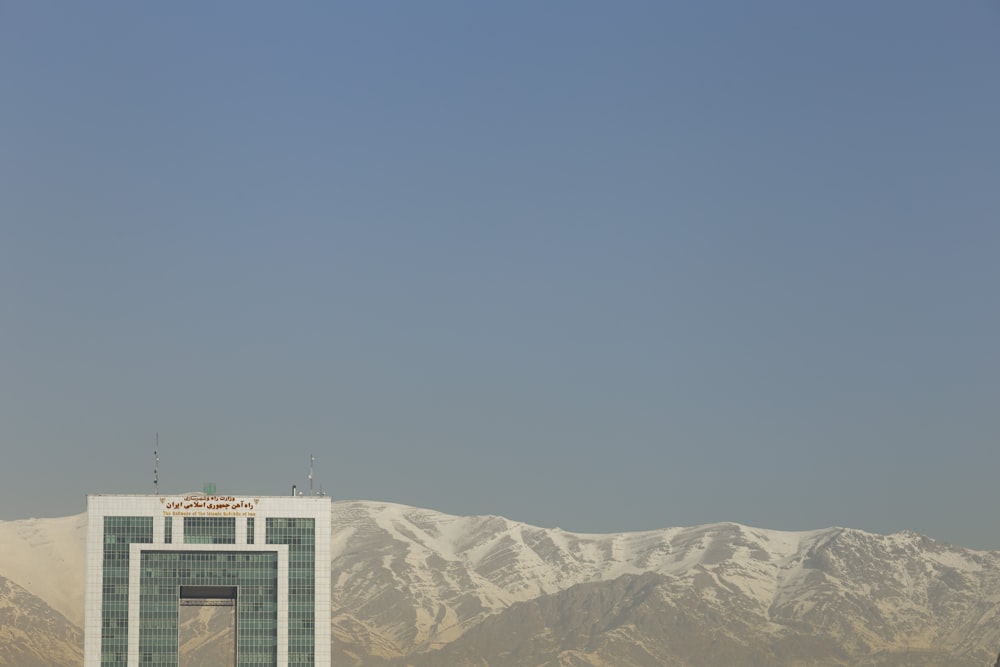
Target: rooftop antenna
[
  {"x": 156, "y": 465},
  {"x": 312, "y": 460}
]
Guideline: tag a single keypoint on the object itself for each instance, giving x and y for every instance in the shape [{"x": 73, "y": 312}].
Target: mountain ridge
[{"x": 410, "y": 583}]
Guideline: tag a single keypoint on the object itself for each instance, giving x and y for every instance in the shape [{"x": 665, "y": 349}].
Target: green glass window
[
  {"x": 209, "y": 530},
  {"x": 253, "y": 575},
  {"x": 119, "y": 533},
  {"x": 300, "y": 536}
]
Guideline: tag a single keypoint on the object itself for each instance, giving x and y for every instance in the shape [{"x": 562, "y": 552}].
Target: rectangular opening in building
[{"x": 207, "y": 623}]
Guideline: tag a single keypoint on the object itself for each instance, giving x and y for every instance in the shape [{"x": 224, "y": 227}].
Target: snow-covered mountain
[
  {"x": 411, "y": 580},
  {"x": 415, "y": 586},
  {"x": 48, "y": 557},
  {"x": 32, "y": 634}
]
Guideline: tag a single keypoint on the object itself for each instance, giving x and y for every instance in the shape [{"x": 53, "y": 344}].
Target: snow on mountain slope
[
  {"x": 47, "y": 557},
  {"x": 417, "y": 579},
  {"x": 411, "y": 580},
  {"x": 32, "y": 634}
]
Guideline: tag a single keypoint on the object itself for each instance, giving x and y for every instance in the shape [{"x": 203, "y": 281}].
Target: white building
[{"x": 265, "y": 558}]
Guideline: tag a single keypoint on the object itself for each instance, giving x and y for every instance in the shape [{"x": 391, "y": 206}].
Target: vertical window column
[
  {"x": 119, "y": 533},
  {"x": 300, "y": 536}
]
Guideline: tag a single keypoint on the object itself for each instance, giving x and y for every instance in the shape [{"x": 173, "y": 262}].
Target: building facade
[{"x": 265, "y": 558}]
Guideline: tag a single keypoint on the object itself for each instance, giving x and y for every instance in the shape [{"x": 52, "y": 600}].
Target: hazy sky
[{"x": 603, "y": 266}]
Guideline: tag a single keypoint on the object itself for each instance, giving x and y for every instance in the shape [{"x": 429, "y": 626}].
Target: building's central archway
[
  {"x": 207, "y": 626},
  {"x": 208, "y": 608}
]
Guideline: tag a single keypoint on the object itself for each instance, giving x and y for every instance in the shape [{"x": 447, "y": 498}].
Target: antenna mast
[
  {"x": 312, "y": 459},
  {"x": 156, "y": 465}
]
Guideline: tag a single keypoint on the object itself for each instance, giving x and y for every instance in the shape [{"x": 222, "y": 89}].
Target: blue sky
[{"x": 602, "y": 266}]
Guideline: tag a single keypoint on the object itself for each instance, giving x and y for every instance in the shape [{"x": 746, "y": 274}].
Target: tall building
[{"x": 265, "y": 561}]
